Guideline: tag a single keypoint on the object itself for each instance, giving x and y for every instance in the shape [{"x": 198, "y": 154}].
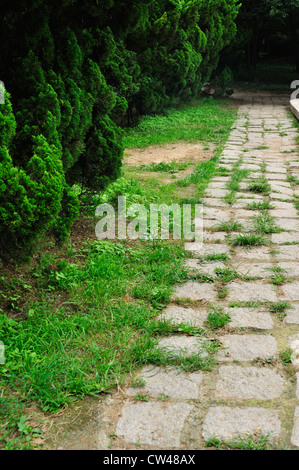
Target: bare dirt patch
[{"x": 178, "y": 152}]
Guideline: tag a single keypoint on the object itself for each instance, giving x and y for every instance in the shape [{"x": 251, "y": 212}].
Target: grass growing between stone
[
  {"x": 80, "y": 318},
  {"x": 217, "y": 318},
  {"x": 251, "y": 442},
  {"x": 248, "y": 239}
]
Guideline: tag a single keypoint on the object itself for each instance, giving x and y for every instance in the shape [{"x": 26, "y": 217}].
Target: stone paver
[
  {"x": 252, "y": 291},
  {"x": 291, "y": 291},
  {"x": 248, "y": 391},
  {"x": 235, "y": 382},
  {"x": 295, "y": 434},
  {"x": 247, "y": 348},
  {"x": 250, "y": 318},
  {"x": 178, "y": 315},
  {"x": 183, "y": 346},
  {"x": 292, "y": 315},
  {"x": 228, "y": 423},
  {"x": 196, "y": 291},
  {"x": 254, "y": 269},
  {"x": 203, "y": 250},
  {"x": 258, "y": 254},
  {"x": 169, "y": 382},
  {"x": 154, "y": 424}
]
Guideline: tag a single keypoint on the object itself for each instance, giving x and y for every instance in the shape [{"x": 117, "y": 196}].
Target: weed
[
  {"x": 222, "y": 291},
  {"x": 286, "y": 356},
  {"x": 141, "y": 397},
  {"x": 260, "y": 187},
  {"x": 217, "y": 319},
  {"x": 279, "y": 308},
  {"x": 250, "y": 239},
  {"x": 264, "y": 223},
  {"x": 259, "y": 206},
  {"x": 251, "y": 442},
  {"x": 216, "y": 257},
  {"x": 225, "y": 275},
  {"x": 138, "y": 382},
  {"x": 172, "y": 167},
  {"x": 162, "y": 397},
  {"x": 230, "y": 226},
  {"x": 278, "y": 276}
]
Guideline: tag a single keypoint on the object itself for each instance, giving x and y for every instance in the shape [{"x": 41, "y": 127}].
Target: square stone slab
[
  {"x": 214, "y": 202},
  {"x": 184, "y": 346},
  {"x": 251, "y": 291},
  {"x": 170, "y": 382},
  {"x": 214, "y": 237},
  {"x": 285, "y": 237},
  {"x": 292, "y": 315},
  {"x": 217, "y": 214},
  {"x": 247, "y": 347},
  {"x": 250, "y": 318},
  {"x": 290, "y": 252},
  {"x": 228, "y": 423},
  {"x": 242, "y": 383},
  {"x": 290, "y": 269},
  {"x": 259, "y": 254},
  {"x": 153, "y": 424},
  {"x": 254, "y": 269},
  {"x": 295, "y": 435},
  {"x": 195, "y": 291},
  {"x": 291, "y": 291},
  {"x": 205, "y": 249},
  {"x": 208, "y": 268},
  {"x": 284, "y": 213},
  {"x": 179, "y": 315},
  {"x": 215, "y": 193},
  {"x": 276, "y": 176},
  {"x": 287, "y": 224}
]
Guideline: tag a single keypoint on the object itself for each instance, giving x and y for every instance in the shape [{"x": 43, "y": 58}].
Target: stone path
[{"x": 250, "y": 390}]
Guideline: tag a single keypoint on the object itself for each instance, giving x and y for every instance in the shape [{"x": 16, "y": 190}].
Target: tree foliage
[
  {"x": 265, "y": 24},
  {"x": 73, "y": 69}
]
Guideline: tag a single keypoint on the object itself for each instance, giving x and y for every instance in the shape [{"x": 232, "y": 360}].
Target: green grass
[
  {"x": 286, "y": 356},
  {"x": 252, "y": 442},
  {"x": 202, "y": 174},
  {"x": 206, "y": 121},
  {"x": 217, "y": 318},
  {"x": 216, "y": 257},
  {"x": 233, "y": 185},
  {"x": 230, "y": 226},
  {"x": 248, "y": 239},
  {"x": 264, "y": 223},
  {"x": 259, "y": 206},
  {"x": 94, "y": 323},
  {"x": 87, "y": 314},
  {"x": 280, "y": 308},
  {"x": 226, "y": 275},
  {"x": 278, "y": 276},
  {"x": 172, "y": 167},
  {"x": 260, "y": 186}
]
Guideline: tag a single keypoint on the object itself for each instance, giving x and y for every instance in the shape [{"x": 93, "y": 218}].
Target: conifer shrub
[{"x": 73, "y": 70}]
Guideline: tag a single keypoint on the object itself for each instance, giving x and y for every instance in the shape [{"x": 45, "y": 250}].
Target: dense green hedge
[{"x": 73, "y": 69}]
